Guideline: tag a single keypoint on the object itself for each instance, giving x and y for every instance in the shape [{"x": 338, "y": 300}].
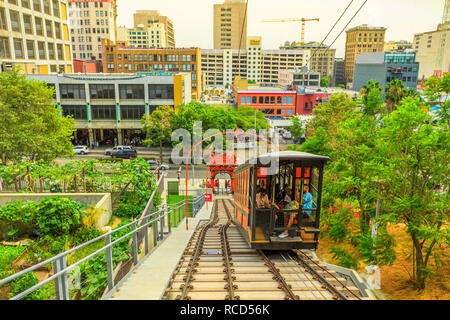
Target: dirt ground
[{"x": 395, "y": 280}]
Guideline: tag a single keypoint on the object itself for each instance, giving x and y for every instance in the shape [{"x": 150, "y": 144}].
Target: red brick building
[{"x": 86, "y": 66}]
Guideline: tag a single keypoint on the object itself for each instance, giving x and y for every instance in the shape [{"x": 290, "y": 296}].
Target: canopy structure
[{"x": 222, "y": 163}]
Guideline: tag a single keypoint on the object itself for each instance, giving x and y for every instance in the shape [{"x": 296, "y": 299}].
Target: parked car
[
  {"x": 164, "y": 166},
  {"x": 287, "y": 135},
  {"x": 124, "y": 153},
  {"x": 108, "y": 152},
  {"x": 81, "y": 150}
]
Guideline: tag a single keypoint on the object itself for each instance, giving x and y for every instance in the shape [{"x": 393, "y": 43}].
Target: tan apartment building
[
  {"x": 91, "y": 21},
  {"x": 230, "y": 25},
  {"x": 361, "y": 39},
  {"x": 220, "y": 67},
  {"x": 397, "y": 45},
  {"x": 153, "y": 20},
  {"x": 120, "y": 58},
  {"x": 427, "y": 47},
  {"x": 323, "y": 59},
  {"x": 35, "y": 35},
  {"x": 143, "y": 37}
]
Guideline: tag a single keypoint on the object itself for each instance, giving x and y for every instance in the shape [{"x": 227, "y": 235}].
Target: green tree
[
  {"x": 158, "y": 128},
  {"x": 437, "y": 92},
  {"x": 298, "y": 128},
  {"x": 365, "y": 90},
  {"x": 324, "y": 82},
  {"x": 395, "y": 92},
  {"x": 416, "y": 185},
  {"x": 30, "y": 124}
]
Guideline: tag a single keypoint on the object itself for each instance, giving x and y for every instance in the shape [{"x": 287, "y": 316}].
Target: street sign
[{"x": 208, "y": 197}]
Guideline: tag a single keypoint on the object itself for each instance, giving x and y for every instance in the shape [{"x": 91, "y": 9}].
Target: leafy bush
[
  {"x": 380, "y": 251},
  {"x": 58, "y": 216},
  {"x": 25, "y": 282},
  {"x": 19, "y": 218},
  {"x": 83, "y": 235},
  {"x": 340, "y": 220},
  {"x": 344, "y": 258}
]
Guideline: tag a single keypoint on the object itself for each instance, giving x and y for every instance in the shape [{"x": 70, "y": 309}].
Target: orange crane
[{"x": 302, "y": 20}]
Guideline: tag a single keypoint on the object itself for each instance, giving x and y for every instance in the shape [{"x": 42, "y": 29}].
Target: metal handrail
[{"x": 61, "y": 258}]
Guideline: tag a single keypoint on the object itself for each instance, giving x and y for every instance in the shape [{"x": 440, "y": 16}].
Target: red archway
[{"x": 223, "y": 163}]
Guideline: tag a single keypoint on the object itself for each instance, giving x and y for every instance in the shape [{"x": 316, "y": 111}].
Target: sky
[{"x": 193, "y": 20}]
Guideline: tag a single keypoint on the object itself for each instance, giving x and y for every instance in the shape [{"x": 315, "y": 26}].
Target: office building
[
  {"x": 230, "y": 25},
  {"x": 361, "y": 39},
  {"x": 34, "y": 34},
  {"x": 322, "y": 57},
  {"x": 383, "y": 67},
  {"x": 143, "y": 37},
  {"x": 397, "y": 45},
  {"x": 427, "y": 46},
  {"x": 339, "y": 70},
  {"x": 152, "y": 20},
  {"x": 91, "y": 21},
  {"x": 299, "y": 77},
  {"x": 120, "y": 58},
  {"x": 220, "y": 66},
  {"x": 108, "y": 107}
]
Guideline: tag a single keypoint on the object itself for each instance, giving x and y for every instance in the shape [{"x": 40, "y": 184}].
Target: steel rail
[
  {"x": 227, "y": 257},
  {"x": 195, "y": 257},
  {"x": 344, "y": 286}
]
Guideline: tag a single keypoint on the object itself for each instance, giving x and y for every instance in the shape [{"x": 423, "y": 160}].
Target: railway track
[{"x": 217, "y": 264}]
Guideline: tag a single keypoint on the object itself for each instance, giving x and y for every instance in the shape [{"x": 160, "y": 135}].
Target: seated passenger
[
  {"x": 262, "y": 199},
  {"x": 286, "y": 199},
  {"x": 307, "y": 201},
  {"x": 289, "y": 217}
]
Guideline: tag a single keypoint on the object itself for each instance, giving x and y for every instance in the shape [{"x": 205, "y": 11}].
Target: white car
[
  {"x": 109, "y": 152},
  {"x": 81, "y": 150}
]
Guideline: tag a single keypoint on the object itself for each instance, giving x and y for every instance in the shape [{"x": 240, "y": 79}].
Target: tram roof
[{"x": 287, "y": 156}]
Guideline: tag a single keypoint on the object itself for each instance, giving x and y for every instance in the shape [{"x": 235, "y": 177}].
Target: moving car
[
  {"x": 124, "y": 153},
  {"x": 164, "y": 166},
  {"x": 81, "y": 150},
  {"x": 108, "y": 152}
]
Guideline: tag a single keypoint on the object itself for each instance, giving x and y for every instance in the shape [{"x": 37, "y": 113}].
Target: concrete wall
[
  {"x": 100, "y": 200},
  {"x": 366, "y": 72}
]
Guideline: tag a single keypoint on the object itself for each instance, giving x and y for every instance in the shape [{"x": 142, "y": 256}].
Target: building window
[
  {"x": 59, "y": 49},
  {"x": 242, "y": 100},
  {"x": 27, "y": 24},
  {"x": 104, "y": 112},
  {"x": 58, "y": 30},
  {"x": 38, "y": 26},
  {"x": 37, "y": 5},
  {"x": 284, "y": 100},
  {"x": 30, "y": 49},
  {"x": 47, "y": 6},
  {"x": 18, "y": 48},
  {"x": 72, "y": 91},
  {"x": 4, "y": 48},
  {"x": 132, "y": 112},
  {"x": 102, "y": 91},
  {"x": 77, "y": 112},
  {"x": 48, "y": 28},
  {"x": 55, "y": 8},
  {"x": 161, "y": 91},
  {"x": 3, "y": 24},
  {"x": 131, "y": 91},
  {"x": 51, "y": 51},
  {"x": 291, "y": 100},
  {"x": 15, "y": 21}
]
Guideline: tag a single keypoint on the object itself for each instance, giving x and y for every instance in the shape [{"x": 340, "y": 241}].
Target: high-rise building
[
  {"x": 397, "y": 45},
  {"x": 143, "y": 37},
  {"x": 339, "y": 69},
  {"x": 383, "y": 67},
  {"x": 230, "y": 25},
  {"x": 119, "y": 58},
  {"x": 427, "y": 46},
  {"x": 323, "y": 59},
  {"x": 154, "y": 21},
  {"x": 361, "y": 39},
  {"x": 35, "y": 35},
  {"x": 91, "y": 21}
]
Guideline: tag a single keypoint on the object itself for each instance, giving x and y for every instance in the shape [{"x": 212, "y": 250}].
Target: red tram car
[{"x": 262, "y": 226}]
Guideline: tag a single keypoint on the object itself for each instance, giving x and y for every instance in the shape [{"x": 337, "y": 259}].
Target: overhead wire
[{"x": 240, "y": 40}]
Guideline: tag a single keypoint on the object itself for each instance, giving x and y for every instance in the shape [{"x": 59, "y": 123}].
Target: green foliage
[
  {"x": 344, "y": 258},
  {"x": 377, "y": 252},
  {"x": 324, "y": 82},
  {"x": 58, "y": 216},
  {"x": 298, "y": 128},
  {"x": 317, "y": 144},
  {"x": 30, "y": 125},
  {"x": 83, "y": 235},
  {"x": 25, "y": 282},
  {"x": 7, "y": 257},
  {"x": 339, "y": 221},
  {"x": 19, "y": 218}
]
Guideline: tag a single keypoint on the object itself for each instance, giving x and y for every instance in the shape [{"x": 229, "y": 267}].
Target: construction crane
[
  {"x": 302, "y": 20},
  {"x": 442, "y": 45}
]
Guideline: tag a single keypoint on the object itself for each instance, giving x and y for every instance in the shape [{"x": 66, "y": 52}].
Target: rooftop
[{"x": 366, "y": 27}]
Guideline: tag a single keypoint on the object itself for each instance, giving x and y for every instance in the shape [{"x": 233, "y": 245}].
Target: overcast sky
[{"x": 193, "y": 20}]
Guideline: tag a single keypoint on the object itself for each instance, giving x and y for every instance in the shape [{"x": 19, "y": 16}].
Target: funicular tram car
[{"x": 262, "y": 226}]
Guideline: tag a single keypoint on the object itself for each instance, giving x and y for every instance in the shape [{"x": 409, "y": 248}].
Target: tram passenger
[
  {"x": 307, "y": 201},
  {"x": 289, "y": 217},
  {"x": 262, "y": 199}
]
